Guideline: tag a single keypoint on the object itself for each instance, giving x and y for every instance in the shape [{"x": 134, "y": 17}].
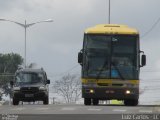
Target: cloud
[
  {"x": 5, "y": 4},
  {"x": 63, "y": 38}
]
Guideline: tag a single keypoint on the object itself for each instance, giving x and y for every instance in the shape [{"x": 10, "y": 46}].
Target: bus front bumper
[{"x": 107, "y": 93}]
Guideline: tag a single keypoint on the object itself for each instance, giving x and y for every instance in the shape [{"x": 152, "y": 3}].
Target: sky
[{"x": 54, "y": 46}]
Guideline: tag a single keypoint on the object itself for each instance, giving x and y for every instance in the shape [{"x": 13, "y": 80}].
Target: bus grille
[
  {"x": 103, "y": 84},
  {"x": 117, "y": 84}
]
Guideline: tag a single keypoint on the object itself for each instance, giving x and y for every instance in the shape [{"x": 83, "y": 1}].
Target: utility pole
[{"x": 109, "y": 11}]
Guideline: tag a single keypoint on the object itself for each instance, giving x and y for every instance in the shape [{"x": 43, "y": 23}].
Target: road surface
[{"x": 69, "y": 112}]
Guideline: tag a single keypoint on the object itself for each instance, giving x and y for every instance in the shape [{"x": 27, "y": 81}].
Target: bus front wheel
[
  {"x": 87, "y": 101},
  {"x": 95, "y": 101},
  {"x": 132, "y": 102}
]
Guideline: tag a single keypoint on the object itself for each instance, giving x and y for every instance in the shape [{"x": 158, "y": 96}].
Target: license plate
[
  {"x": 29, "y": 95},
  {"x": 110, "y": 91}
]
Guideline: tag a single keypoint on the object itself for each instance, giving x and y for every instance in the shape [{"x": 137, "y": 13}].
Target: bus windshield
[{"x": 110, "y": 56}]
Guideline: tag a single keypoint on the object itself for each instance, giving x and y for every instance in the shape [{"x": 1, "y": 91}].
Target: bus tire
[
  {"x": 95, "y": 101},
  {"x": 87, "y": 101},
  {"x": 132, "y": 102},
  {"x": 135, "y": 102}
]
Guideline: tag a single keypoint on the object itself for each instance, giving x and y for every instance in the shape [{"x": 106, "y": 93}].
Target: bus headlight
[
  {"x": 91, "y": 91},
  {"x": 128, "y": 92}
]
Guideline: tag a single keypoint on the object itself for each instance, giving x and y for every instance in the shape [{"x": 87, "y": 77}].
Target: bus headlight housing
[{"x": 91, "y": 91}]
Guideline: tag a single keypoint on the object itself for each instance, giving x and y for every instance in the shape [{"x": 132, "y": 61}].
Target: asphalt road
[{"x": 76, "y": 112}]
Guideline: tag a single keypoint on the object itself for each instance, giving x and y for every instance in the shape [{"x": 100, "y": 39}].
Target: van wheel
[
  {"x": 15, "y": 101},
  {"x": 46, "y": 101}
]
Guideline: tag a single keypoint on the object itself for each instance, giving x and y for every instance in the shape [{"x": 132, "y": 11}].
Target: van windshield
[{"x": 29, "y": 77}]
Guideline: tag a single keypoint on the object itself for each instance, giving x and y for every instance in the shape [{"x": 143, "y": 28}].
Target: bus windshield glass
[{"x": 110, "y": 56}]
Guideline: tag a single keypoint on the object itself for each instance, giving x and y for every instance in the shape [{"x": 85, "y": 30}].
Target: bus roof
[{"x": 111, "y": 29}]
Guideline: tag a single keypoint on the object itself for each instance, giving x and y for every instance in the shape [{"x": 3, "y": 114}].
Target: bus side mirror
[
  {"x": 48, "y": 82},
  {"x": 80, "y": 57},
  {"x": 143, "y": 60}
]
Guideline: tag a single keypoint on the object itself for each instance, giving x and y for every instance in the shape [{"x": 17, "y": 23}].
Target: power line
[
  {"x": 152, "y": 27},
  {"x": 151, "y": 70},
  {"x": 69, "y": 70},
  {"x": 146, "y": 79},
  {"x": 66, "y": 72}
]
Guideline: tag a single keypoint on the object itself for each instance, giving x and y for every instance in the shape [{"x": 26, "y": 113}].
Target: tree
[
  {"x": 8, "y": 66},
  {"x": 68, "y": 87}
]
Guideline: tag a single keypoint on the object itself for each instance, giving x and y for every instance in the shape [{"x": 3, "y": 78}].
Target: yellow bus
[{"x": 110, "y": 60}]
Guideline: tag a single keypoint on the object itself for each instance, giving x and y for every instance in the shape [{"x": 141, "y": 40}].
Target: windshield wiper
[
  {"x": 99, "y": 73},
  {"x": 119, "y": 73},
  {"x": 112, "y": 63}
]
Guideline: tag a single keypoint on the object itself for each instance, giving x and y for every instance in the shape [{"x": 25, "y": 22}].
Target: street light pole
[
  {"x": 25, "y": 46},
  {"x": 25, "y": 26}
]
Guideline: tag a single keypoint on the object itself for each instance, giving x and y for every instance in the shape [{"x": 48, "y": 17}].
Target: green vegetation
[{"x": 8, "y": 65}]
